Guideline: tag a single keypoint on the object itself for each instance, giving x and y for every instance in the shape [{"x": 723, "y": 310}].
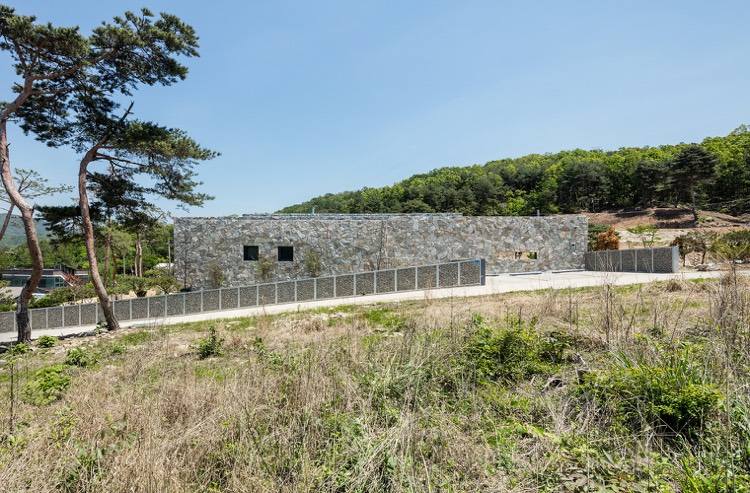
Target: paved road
[{"x": 504, "y": 283}]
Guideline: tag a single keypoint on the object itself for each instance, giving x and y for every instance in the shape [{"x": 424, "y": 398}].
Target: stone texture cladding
[{"x": 210, "y": 250}]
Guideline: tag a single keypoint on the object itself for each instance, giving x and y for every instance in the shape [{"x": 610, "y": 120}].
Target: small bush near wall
[
  {"x": 647, "y": 233},
  {"x": 694, "y": 242},
  {"x": 215, "y": 275},
  {"x": 313, "y": 265},
  {"x": 264, "y": 270},
  {"x": 210, "y": 346},
  {"x": 733, "y": 246},
  {"x": 606, "y": 240}
]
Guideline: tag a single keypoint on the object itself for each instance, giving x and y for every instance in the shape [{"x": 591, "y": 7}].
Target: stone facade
[{"x": 209, "y": 251}]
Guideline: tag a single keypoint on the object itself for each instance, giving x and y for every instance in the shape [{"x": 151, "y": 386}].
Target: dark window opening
[
  {"x": 250, "y": 252},
  {"x": 286, "y": 254}
]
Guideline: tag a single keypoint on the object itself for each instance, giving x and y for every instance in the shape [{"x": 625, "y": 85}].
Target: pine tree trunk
[
  {"x": 693, "y": 208},
  {"x": 138, "y": 254},
  {"x": 27, "y": 215},
  {"x": 37, "y": 264},
  {"x": 108, "y": 253},
  {"x": 32, "y": 241},
  {"x": 88, "y": 235}
]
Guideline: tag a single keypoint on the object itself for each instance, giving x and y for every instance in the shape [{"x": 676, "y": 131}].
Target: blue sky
[{"x": 303, "y": 98}]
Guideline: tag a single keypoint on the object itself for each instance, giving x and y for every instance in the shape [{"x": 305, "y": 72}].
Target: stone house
[{"x": 254, "y": 248}]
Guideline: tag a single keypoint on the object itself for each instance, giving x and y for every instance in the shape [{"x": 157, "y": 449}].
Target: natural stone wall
[{"x": 209, "y": 251}]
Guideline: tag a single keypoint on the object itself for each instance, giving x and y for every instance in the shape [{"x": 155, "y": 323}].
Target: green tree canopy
[{"x": 717, "y": 170}]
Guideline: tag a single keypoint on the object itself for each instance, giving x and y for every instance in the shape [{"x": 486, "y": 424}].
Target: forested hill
[
  {"x": 15, "y": 234},
  {"x": 567, "y": 181}
]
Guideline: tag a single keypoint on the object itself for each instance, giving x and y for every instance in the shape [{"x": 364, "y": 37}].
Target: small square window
[
  {"x": 286, "y": 254},
  {"x": 250, "y": 252}
]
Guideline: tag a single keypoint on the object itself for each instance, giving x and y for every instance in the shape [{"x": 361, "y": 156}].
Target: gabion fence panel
[
  {"x": 324, "y": 288},
  {"x": 306, "y": 290},
  {"x": 385, "y": 281},
  {"x": 122, "y": 309},
  {"x": 193, "y": 302},
  {"x": 88, "y": 313},
  {"x": 38, "y": 318},
  {"x": 644, "y": 260},
  {"x": 344, "y": 285},
  {"x": 285, "y": 292},
  {"x": 211, "y": 300},
  {"x": 657, "y": 260},
  {"x": 139, "y": 308},
  {"x": 248, "y": 296},
  {"x": 449, "y": 274},
  {"x": 471, "y": 272},
  {"x": 175, "y": 304},
  {"x": 157, "y": 307},
  {"x": 8, "y": 321},
  {"x": 267, "y": 294},
  {"x": 427, "y": 277},
  {"x": 230, "y": 298},
  {"x": 72, "y": 315},
  {"x": 627, "y": 261},
  {"x": 407, "y": 279},
  {"x": 666, "y": 259},
  {"x": 54, "y": 317},
  {"x": 364, "y": 283}
]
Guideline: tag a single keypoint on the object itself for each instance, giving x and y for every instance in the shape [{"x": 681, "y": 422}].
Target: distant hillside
[
  {"x": 567, "y": 181},
  {"x": 15, "y": 235}
]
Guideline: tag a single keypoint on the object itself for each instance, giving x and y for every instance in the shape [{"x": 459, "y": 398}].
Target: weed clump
[
  {"x": 211, "y": 345},
  {"x": 512, "y": 354},
  {"x": 386, "y": 318},
  {"x": 46, "y": 385},
  {"x": 135, "y": 338},
  {"x": 47, "y": 341},
  {"x": 671, "y": 395},
  {"x": 19, "y": 349},
  {"x": 117, "y": 348},
  {"x": 80, "y": 357}
]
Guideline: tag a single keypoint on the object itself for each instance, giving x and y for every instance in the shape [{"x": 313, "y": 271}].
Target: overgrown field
[{"x": 628, "y": 389}]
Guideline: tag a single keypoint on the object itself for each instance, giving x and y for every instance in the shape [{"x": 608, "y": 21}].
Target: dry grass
[{"x": 377, "y": 398}]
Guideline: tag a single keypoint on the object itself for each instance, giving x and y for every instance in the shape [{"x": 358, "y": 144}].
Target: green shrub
[
  {"x": 671, "y": 395},
  {"x": 19, "y": 349},
  {"x": 210, "y": 346},
  {"x": 313, "y": 263},
  {"x": 512, "y": 354},
  {"x": 136, "y": 338},
  {"x": 46, "y": 341},
  {"x": 384, "y": 317},
  {"x": 734, "y": 245},
  {"x": 166, "y": 282},
  {"x": 81, "y": 357},
  {"x": 46, "y": 385},
  {"x": 264, "y": 269},
  {"x": 136, "y": 284},
  {"x": 66, "y": 294},
  {"x": 647, "y": 233},
  {"x": 117, "y": 348}
]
